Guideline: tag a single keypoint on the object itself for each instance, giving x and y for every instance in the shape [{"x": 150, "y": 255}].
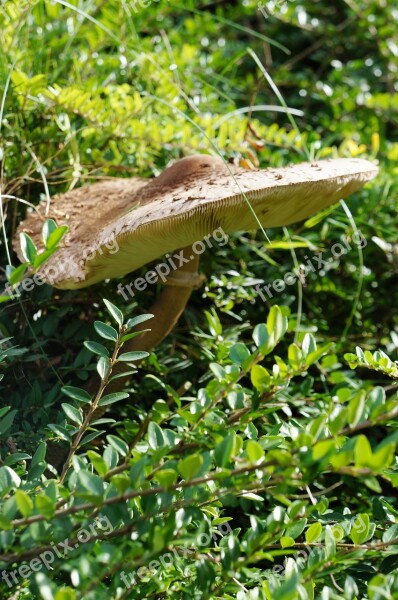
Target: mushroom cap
[{"x": 116, "y": 226}]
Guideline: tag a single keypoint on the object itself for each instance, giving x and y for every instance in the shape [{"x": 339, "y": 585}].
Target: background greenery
[{"x": 291, "y": 446}]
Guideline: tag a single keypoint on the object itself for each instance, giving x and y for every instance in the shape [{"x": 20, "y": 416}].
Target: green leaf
[
  {"x": 190, "y": 466},
  {"x": 352, "y": 360},
  {"x": 40, "y": 455},
  {"x": 8, "y": 479},
  {"x": 313, "y": 357},
  {"x": 42, "y": 257},
  {"x": 261, "y": 335},
  {"x": 55, "y": 237},
  {"x": 338, "y": 533},
  {"x": 76, "y": 393},
  {"x": 155, "y": 436},
  {"x": 205, "y": 573},
  {"x": 296, "y": 529},
  {"x": 313, "y": 533},
  {"x": 90, "y": 437},
  {"x": 287, "y": 591},
  {"x": 308, "y": 345},
  {"x": 17, "y": 274},
  {"x": 339, "y": 419},
  {"x": 118, "y": 444},
  {"x": 137, "y": 472},
  {"x": 60, "y": 432},
  {"x": 28, "y": 248},
  {"x": 166, "y": 478},
  {"x": 7, "y": 421},
  {"x": 98, "y": 462},
  {"x": 4, "y": 409},
  {"x": 105, "y": 331},
  {"x": 323, "y": 449},
  {"x": 276, "y": 323},
  {"x": 130, "y": 336},
  {"x": 90, "y": 482},
  {"x": 45, "y": 505},
  {"x": 231, "y": 552},
  {"x": 318, "y": 217},
  {"x": 330, "y": 543},
  {"x": 218, "y": 370},
  {"x": 363, "y": 452},
  {"x": 114, "y": 311},
  {"x": 223, "y": 452},
  {"x": 5, "y": 524},
  {"x": 239, "y": 353},
  {"x": 377, "y": 461},
  {"x": 111, "y": 398},
  {"x": 97, "y": 348},
  {"x": 383, "y": 457},
  {"x": 72, "y": 413},
  {"x": 13, "y": 459},
  {"x": 360, "y": 529},
  {"x": 214, "y": 323},
  {"x": 65, "y": 593},
  {"x": 286, "y": 542},
  {"x": 132, "y": 356},
  {"x": 48, "y": 227},
  {"x": 356, "y": 408},
  {"x": 295, "y": 356},
  {"x": 254, "y": 451},
  {"x": 138, "y": 320},
  {"x": 260, "y": 378},
  {"x": 252, "y": 496},
  {"x": 378, "y": 588},
  {"x": 376, "y": 399},
  {"x": 391, "y": 534},
  {"x": 24, "y": 503},
  {"x": 103, "y": 367}
]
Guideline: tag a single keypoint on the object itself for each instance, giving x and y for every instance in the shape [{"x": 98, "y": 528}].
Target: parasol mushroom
[{"x": 117, "y": 226}]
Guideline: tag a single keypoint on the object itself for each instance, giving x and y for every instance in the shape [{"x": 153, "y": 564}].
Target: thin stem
[{"x": 93, "y": 406}]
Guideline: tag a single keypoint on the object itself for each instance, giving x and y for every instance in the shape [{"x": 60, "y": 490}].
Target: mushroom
[{"x": 143, "y": 220}]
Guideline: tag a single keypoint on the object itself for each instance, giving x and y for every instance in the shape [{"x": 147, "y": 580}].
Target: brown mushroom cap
[{"x": 191, "y": 199}]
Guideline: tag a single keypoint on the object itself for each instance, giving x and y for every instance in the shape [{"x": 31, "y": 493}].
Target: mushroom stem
[{"x": 167, "y": 309}]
